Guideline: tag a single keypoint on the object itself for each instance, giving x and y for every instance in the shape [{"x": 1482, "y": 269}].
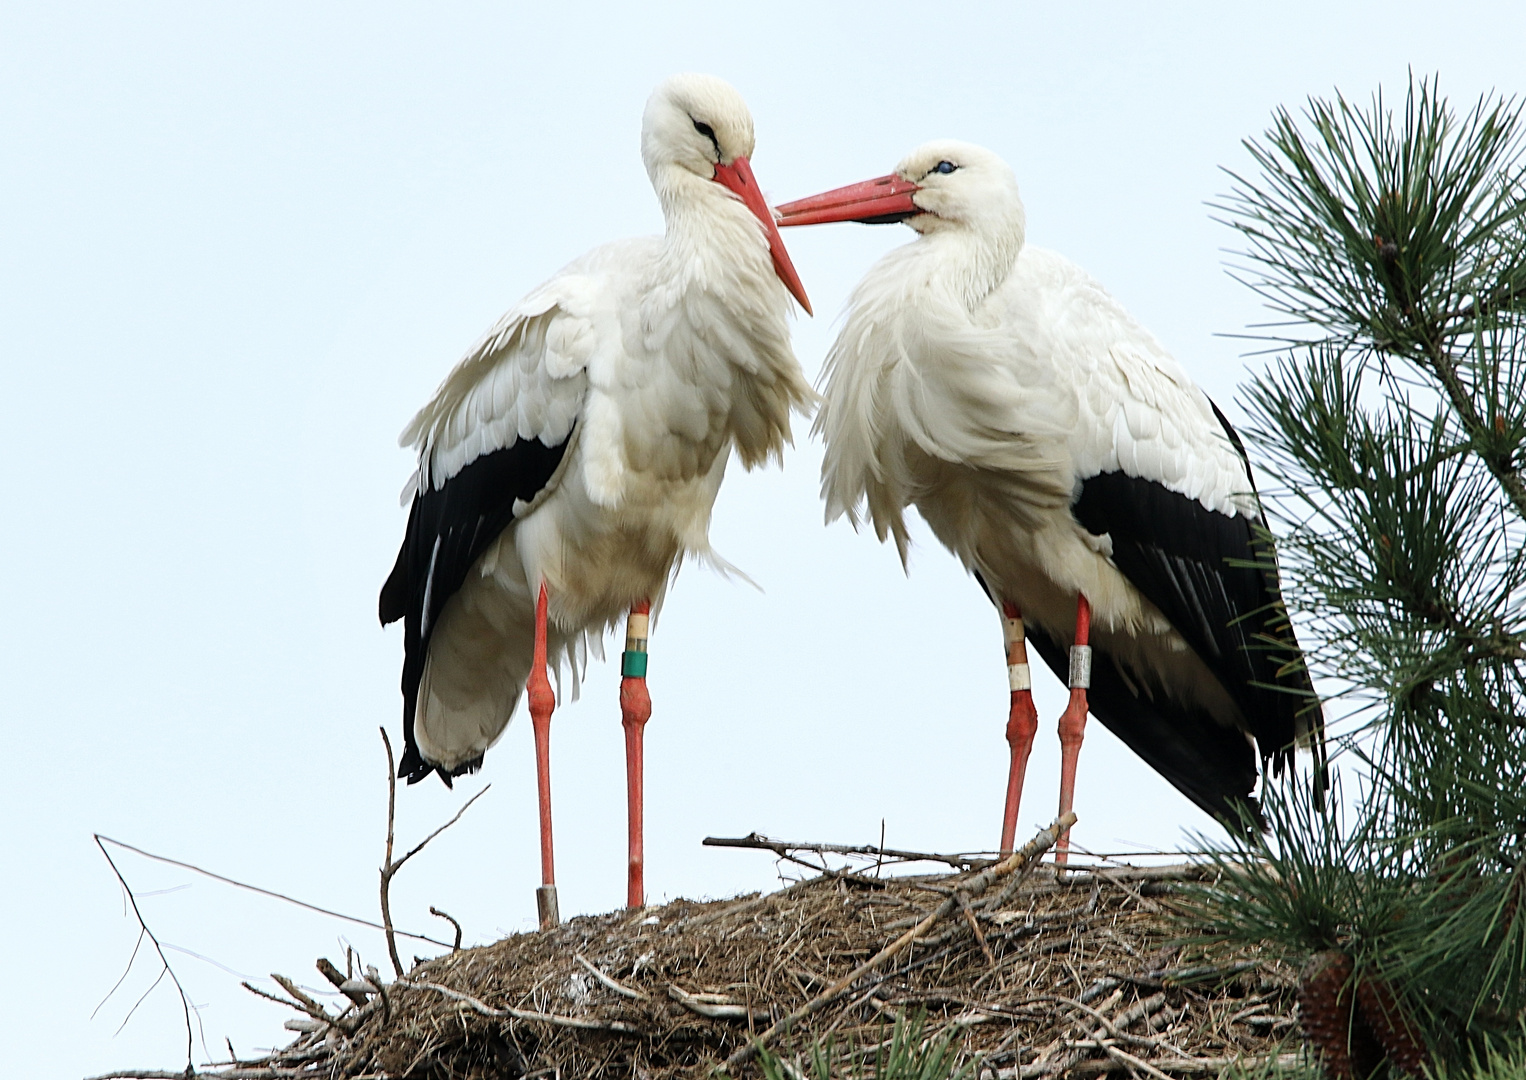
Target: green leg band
[{"x": 633, "y": 665}]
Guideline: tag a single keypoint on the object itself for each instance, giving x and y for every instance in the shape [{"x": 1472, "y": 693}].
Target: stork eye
[
  {"x": 944, "y": 167},
  {"x": 708, "y": 132}
]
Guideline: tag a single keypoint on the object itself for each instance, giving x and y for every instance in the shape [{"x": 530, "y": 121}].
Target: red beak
[
  {"x": 873, "y": 202},
  {"x": 738, "y": 177}
]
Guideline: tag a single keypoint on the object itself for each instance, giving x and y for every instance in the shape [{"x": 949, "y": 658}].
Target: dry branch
[
  {"x": 265, "y": 892},
  {"x": 327, "y": 969},
  {"x": 185, "y": 1005},
  {"x": 618, "y": 988},
  {"x": 785, "y": 848},
  {"x": 518, "y": 1014},
  {"x": 390, "y": 867}
]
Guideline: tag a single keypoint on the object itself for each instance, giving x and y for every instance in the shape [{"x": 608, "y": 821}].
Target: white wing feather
[
  {"x": 1047, "y": 383},
  {"x": 525, "y": 379},
  {"x": 1138, "y": 410}
]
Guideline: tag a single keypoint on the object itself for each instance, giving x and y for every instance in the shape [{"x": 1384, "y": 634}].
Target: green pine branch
[{"x": 1392, "y": 429}]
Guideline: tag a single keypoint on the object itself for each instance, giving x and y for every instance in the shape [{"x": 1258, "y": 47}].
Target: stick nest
[{"x": 1071, "y": 975}]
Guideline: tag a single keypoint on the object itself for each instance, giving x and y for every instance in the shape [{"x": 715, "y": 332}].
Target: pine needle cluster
[{"x": 1391, "y": 424}]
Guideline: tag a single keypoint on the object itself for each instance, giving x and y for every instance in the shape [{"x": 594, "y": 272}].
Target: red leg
[
  {"x": 635, "y": 710},
  {"x": 542, "y": 701},
  {"x": 1022, "y": 722},
  {"x": 1073, "y": 722}
]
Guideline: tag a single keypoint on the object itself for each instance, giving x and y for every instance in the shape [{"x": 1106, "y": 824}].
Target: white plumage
[
  {"x": 987, "y": 383},
  {"x": 581, "y": 443}
]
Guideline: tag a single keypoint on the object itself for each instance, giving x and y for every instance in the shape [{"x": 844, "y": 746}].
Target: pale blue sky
[{"x": 240, "y": 244}]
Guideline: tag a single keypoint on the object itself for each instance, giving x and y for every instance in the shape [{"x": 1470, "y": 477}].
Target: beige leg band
[
  {"x": 636, "y": 629},
  {"x": 1018, "y": 676}
]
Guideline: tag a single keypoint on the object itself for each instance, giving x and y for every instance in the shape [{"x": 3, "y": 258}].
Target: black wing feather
[
  {"x": 1211, "y": 764},
  {"x": 1214, "y": 577},
  {"x": 449, "y": 528}
]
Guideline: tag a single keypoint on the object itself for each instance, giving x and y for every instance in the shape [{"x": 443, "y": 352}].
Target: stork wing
[
  {"x": 1167, "y": 480},
  {"x": 491, "y": 443}
]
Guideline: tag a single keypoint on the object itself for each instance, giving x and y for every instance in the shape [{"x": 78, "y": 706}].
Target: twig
[
  {"x": 265, "y": 892},
  {"x": 374, "y": 978},
  {"x": 1129, "y": 1059},
  {"x": 185, "y": 1004},
  {"x": 267, "y": 995},
  {"x": 309, "y": 1006},
  {"x": 390, "y": 868},
  {"x": 1046, "y": 1064},
  {"x": 1019, "y": 859},
  {"x": 713, "y": 1006},
  {"x": 136, "y": 945},
  {"x": 327, "y": 969},
  {"x": 725, "y": 912},
  {"x": 783, "y": 848},
  {"x": 1114, "y": 1028},
  {"x": 1138, "y": 1012},
  {"x": 619, "y": 988},
  {"x": 1209, "y": 1065},
  {"x": 520, "y": 1014},
  {"x": 440, "y": 914},
  {"x": 980, "y": 938}
]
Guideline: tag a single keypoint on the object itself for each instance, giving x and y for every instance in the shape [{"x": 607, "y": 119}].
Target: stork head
[
  {"x": 697, "y": 127},
  {"x": 694, "y": 122},
  {"x": 945, "y": 185}
]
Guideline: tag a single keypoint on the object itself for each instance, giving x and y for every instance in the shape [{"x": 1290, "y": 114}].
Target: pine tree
[{"x": 1391, "y": 433}]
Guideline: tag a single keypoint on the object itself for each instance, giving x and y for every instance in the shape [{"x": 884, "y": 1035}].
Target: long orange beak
[
  {"x": 738, "y": 177},
  {"x": 873, "y": 202}
]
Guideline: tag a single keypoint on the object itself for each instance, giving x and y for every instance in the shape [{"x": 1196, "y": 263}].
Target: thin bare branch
[
  {"x": 617, "y": 987},
  {"x": 420, "y": 845},
  {"x": 388, "y": 866},
  {"x": 783, "y": 848},
  {"x": 265, "y": 892},
  {"x": 480, "y": 1006},
  {"x": 185, "y": 1003},
  {"x": 442, "y": 915}
]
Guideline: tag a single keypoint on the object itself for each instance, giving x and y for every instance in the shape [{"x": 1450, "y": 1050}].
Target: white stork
[
  {"x": 569, "y": 462},
  {"x": 1100, "y": 498}
]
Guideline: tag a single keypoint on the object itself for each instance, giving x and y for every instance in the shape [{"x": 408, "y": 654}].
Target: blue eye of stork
[{"x": 944, "y": 167}]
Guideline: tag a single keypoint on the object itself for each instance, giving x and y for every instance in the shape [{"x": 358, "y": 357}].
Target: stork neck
[
  {"x": 710, "y": 236},
  {"x": 972, "y": 264}
]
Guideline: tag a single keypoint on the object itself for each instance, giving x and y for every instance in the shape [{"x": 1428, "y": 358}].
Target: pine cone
[
  {"x": 1390, "y": 1023},
  {"x": 1324, "y": 1011}
]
